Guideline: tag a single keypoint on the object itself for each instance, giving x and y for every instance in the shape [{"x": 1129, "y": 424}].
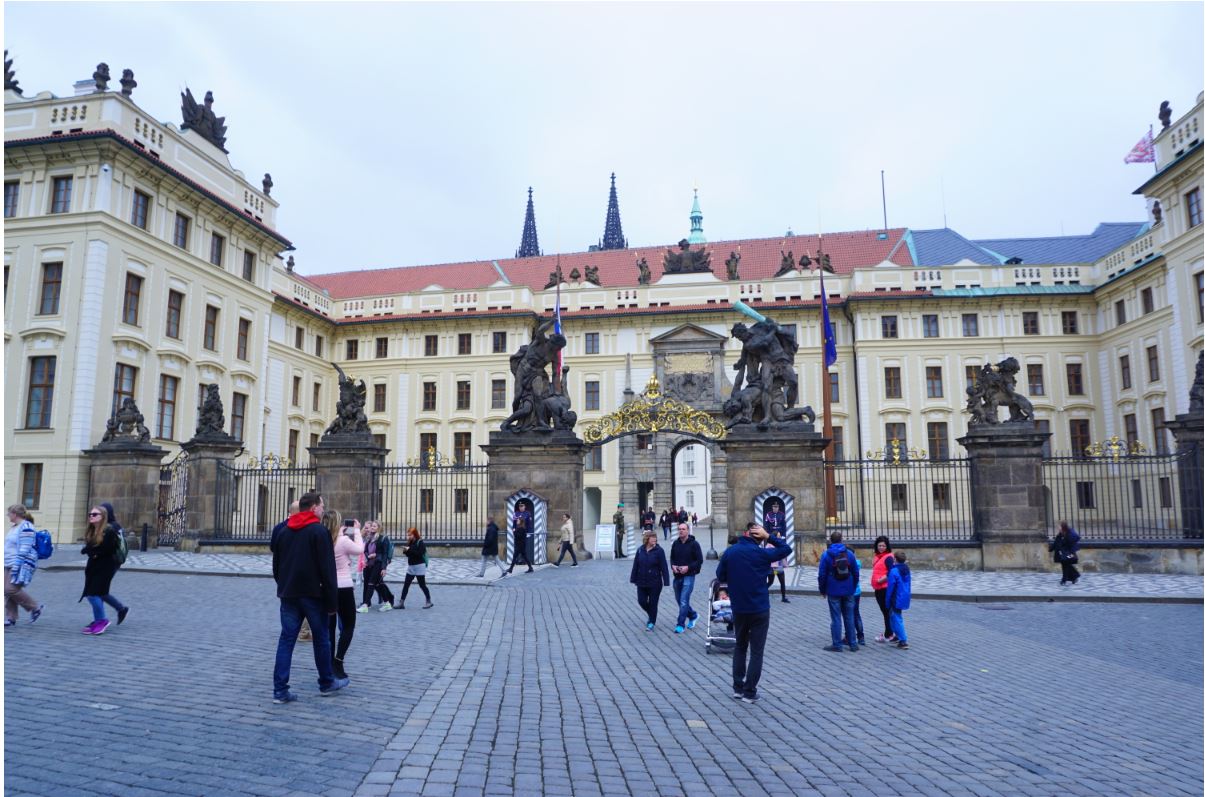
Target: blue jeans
[
  {"x": 292, "y": 612},
  {"x": 683, "y": 586},
  {"x": 98, "y": 605},
  {"x": 841, "y": 609},
  {"x": 897, "y": 625},
  {"x": 861, "y": 637}
]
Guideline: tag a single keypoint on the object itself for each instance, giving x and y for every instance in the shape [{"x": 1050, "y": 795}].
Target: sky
[{"x": 405, "y": 134}]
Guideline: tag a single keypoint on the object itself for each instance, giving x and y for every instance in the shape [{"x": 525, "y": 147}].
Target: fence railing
[
  {"x": 447, "y": 503},
  {"x": 914, "y": 500},
  {"x": 250, "y": 501}
]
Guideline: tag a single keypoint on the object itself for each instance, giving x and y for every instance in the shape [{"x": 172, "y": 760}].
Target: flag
[
  {"x": 830, "y": 345},
  {"x": 556, "y": 327},
  {"x": 1144, "y": 150}
]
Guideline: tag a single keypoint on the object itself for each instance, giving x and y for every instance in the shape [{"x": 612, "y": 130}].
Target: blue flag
[{"x": 830, "y": 345}]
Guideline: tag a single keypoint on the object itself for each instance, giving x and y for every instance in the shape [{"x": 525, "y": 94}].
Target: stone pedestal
[
  {"x": 201, "y": 520},
  {"x": 789, "y": 457},
  {"x": 344, "y": 476},
  {"x": 127, "y": 476},
  {"x": 549, "y": 464},
  {"x": 1006, "y": 495},
  {"x": 1187, "y": 428}
]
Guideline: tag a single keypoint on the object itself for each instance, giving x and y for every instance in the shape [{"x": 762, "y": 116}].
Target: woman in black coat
[
  {"x": 100, "y": 546},
  {"x": 489, "y": 548},
  {"x": 650, "y": 572}
]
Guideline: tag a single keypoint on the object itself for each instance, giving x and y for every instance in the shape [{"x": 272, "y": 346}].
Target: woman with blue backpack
[
  {"x": 20, "y": 560},
  {"x": 102, "y": 546}
]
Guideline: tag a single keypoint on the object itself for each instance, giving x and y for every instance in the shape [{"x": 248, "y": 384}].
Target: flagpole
[{"x": 830, "y": 479}]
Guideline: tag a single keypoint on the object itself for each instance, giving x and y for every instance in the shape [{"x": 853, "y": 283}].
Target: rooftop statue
[
  {"x": 766, "y": 387},
  {"x": 10, "y": 76},
  {"x": 592, "y": 275},
  {"x": 349, "y": 411},
  {"x": 128, "y": 84},
  {"x": 646, "y": 276},
  {"x": 203, "y": 120},
  {"x": 787, "y": 265},
  {"x": 126, "y": 425},
  {"x": 687, "y": 260},
  {"x": 267, "y": 184},
  {"x": 1165, "y": 114},
  {"x": 101, "y": 76},
  {"x": 733, "y": 263},
  {"x": 537, "y": 405},
  {"x": 996, "y": 385},
  {"x": 575, "y": 275}
]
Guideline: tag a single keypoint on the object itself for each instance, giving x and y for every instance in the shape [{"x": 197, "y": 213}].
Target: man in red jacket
[{"x": 303, "y": 564}]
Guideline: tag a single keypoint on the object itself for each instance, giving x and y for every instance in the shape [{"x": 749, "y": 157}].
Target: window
[
  {"x": 972, "y": 375},
  {"x": 12, "y": 190},
  {"x": 1119, "y": 311},
  {"x": 970, "y": 325},
  {"x": 60, "y": 199},
  {"x": 378, "y": 440},
  {"x": 175, "y": 311},
  {"x": 929, "y": 325},
  {"x": 217, "y": 245},
  {"x": 941, "y": 496},
  {"x": 211, "y": 328},
  {"x": 899, "y": 498},
  {"x": 180, "y": 231},
  {"x": 431, "y": 346},
  {"x": 133, "y": 294},
  {"x": 1075, "y": 379},
  {"x": 1136, "y": 492},
  {"x": 592, "y": 402},
  {"x": 378, "y": 398},
  {"x": 1165, "y": 492},
  {"x": 464, "y": 343},
  {"x": 426, "y": 500},
  {"x": 1126, "y": 381},
  {"x": 499, "y": 342},
  {"x": 125, "y": 377},
  {"x": 1037, "y": 379},
  {"x": 462, "y": 447},
  {"x": 1199, "y": 279},
  {"x": 1192, "y": 203},
  {"x": 319, "y": 341},
  {"x": 688, "y": 466},
  {"x": 299, "y": 338},
  {"x": 1029, "y": 322},
  {"x": 460, "y": 500},
  {"x": 838, "y": 443},
  {"x": 428, "y": 397},
  {"x": 238, "y": 415},
  {"x": 52, "y": 288},
  {"x": 1043, "y": 427},
  {"x": 1131, "y": 426},
  {"x": 313, "y": 440},
  {"x": 464, "y": 394},
  {"x": 1148, "y": 300},
  {"x": 165, "y": 421},
  {"x": 594, "y": 458},
  {"x": 840, "y": 497},
  {"x": 317, "y": 396},
  {"x": 141, "y": 209},
  {"x": 891, "y": 326},
  {"x": 933, "y": 384},
  {"x": 1160, "y": 433},
  {"x": 591, "y": 343},
  {"x": 382, "y": 348},
  {"x": 1085, "y": 495},
  {"x": 1080, "y": 439},
  {"x": 834, "y": 387},
  {"x": 296, "y": 391},
  {"x": 244, "y": 337},
  {"x": 1152, "y": 363},
  {"x": 248, "y": 265},
  {"x": 40, "y": 396},
  {"x": 293, "y": 435},
  {"x": 31, "y": 485},
  {"x": 896, "y": 433},
  {"x": 498, "y": 394},
  {"x": 939, "y": 441},
  {"x": 891, "y": 383},
  {"x": 644, "y": 442},
  {"x": 352, "y": 350},
  {"x": 1070, "y": 322},
  {"x": 428, "y": 443}
]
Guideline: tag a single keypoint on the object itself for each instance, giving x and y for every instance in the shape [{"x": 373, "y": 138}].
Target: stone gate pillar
[
  {"x": 204, "y": 454},
  {"x": 550, "y": 464},
  {"x": 344, "y": 473},
  {"x": 1007, "y": 499},
  {"x": 1187, "y": 429},
  {"x": 125, "y": 472},
  {"x": 790, "y": 459}
]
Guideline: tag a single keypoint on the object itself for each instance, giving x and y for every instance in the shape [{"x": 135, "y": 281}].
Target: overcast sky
[{"x": 405, "y": 134}]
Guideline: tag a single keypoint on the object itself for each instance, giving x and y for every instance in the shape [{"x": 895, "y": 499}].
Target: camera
[{"x": 349, "y": 522}]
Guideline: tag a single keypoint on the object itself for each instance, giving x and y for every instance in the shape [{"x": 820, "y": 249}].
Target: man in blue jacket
[
  {"x": 745, "y": 568},
  {"x": 838, "y": 574}
]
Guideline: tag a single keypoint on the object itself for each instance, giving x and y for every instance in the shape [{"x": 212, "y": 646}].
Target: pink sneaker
[
  {"x": 90, "y": 628},
  {"x": 101, "y": 627}
]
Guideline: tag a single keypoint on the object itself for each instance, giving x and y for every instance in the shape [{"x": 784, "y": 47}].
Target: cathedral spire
[
  {"x": 613, "y": 232},
  {"x": 530, "y": 245},
  {"x": 696, "y": 222}
]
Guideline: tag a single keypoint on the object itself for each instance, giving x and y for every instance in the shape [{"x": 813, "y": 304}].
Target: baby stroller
[{"x": 720, "y": 637}]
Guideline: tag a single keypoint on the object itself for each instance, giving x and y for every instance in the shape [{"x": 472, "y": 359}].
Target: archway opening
[{"x": 691, "y": 472}]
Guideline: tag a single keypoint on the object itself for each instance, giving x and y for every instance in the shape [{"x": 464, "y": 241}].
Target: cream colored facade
[{"x": 290, "y": 384}]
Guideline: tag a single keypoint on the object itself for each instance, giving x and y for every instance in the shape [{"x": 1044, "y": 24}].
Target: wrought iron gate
[
  {"x": 173, "y": 500},
  {"x": 446, "y": 502}
]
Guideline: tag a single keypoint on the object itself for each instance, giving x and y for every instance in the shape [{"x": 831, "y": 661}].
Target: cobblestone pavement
[
  {"x": 802, "y": 579},
  {"x": 549, "y": 684}
]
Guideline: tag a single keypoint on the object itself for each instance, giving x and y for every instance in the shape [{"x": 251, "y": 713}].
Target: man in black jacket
[
  {"x": 686, "y": 560},
  {"x": 303, "y": 564}
]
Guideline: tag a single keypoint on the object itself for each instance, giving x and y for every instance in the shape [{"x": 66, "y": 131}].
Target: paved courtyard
[{"x": 548, "y": 684}]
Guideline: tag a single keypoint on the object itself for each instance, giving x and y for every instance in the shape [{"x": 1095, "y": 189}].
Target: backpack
[
  {"x": 839, "y": 567},
  {"x": 384, "y": 550},
  {"x": 122, "y": 550},
  {"x": 42, "y": 544}
]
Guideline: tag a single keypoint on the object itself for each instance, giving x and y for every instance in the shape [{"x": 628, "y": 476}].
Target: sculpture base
[
  {"x": 126, "y": 473},
  {"x": 348, "y": 440}
]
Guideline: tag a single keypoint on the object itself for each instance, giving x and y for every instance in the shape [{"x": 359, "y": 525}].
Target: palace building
[{"x": 140, "y": 263}]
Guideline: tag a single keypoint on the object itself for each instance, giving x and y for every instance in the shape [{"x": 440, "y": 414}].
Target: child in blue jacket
[{"x": 899, "y": 596}]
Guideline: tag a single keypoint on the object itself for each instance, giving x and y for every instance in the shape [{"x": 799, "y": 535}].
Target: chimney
[{"x": 83, "y": 87}]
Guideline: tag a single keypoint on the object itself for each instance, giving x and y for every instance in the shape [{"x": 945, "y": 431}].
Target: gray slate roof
[
  {"x": 945, "y": 247},
  {"x": 1066, "y": 248}
]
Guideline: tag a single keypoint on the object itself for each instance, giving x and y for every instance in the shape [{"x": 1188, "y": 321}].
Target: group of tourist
[{"x": 669, "y": 518}]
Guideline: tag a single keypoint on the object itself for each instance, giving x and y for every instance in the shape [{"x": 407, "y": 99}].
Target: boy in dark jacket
[
  {"x": 838, "y": 574},
  {"x": 899, "y": 596},
  {"x": 686, "y": 560}
]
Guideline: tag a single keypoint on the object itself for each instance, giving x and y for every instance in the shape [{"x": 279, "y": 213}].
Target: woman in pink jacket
[
  {"x": 348, "y": 547},
  {"x": 884, "y": 560}
]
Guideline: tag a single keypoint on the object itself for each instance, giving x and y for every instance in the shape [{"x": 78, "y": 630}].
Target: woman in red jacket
[{"x": 883, "y": 562}]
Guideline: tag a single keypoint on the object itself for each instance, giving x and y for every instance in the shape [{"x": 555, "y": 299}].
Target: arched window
[{"x": 690, "y": 498}]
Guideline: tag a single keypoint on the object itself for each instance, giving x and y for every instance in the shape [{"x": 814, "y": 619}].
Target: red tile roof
[{"x": 760, "y": 259}]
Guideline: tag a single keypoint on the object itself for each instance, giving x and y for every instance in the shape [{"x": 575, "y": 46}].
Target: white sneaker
[
  {"x": 363, "y": 609},
  {"x": 386, "y": 607}
]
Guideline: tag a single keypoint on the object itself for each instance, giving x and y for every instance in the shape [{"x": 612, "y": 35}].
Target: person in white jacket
[
  {"x": 566, "y": 540},
  {"x": 349, "y": 544}
]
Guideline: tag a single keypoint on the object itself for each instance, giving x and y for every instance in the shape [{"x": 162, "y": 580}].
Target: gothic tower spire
[
  {"x": 530, "y": 245},
  {"x": 696, "y": 222},
  {"x": 613, "y": 232}
]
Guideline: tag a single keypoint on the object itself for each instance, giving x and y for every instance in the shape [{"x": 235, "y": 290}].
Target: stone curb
[{"x": 239, "y": 574}]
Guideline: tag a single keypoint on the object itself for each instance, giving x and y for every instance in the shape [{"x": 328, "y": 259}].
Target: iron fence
[
  {"x": 251, "y": 500},
  {"x": 907, "y": 499},
  {"x": 1124, "y": 497},
  {"x": 447, "y": 503},
  {"x": 173, "y": 500}
]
